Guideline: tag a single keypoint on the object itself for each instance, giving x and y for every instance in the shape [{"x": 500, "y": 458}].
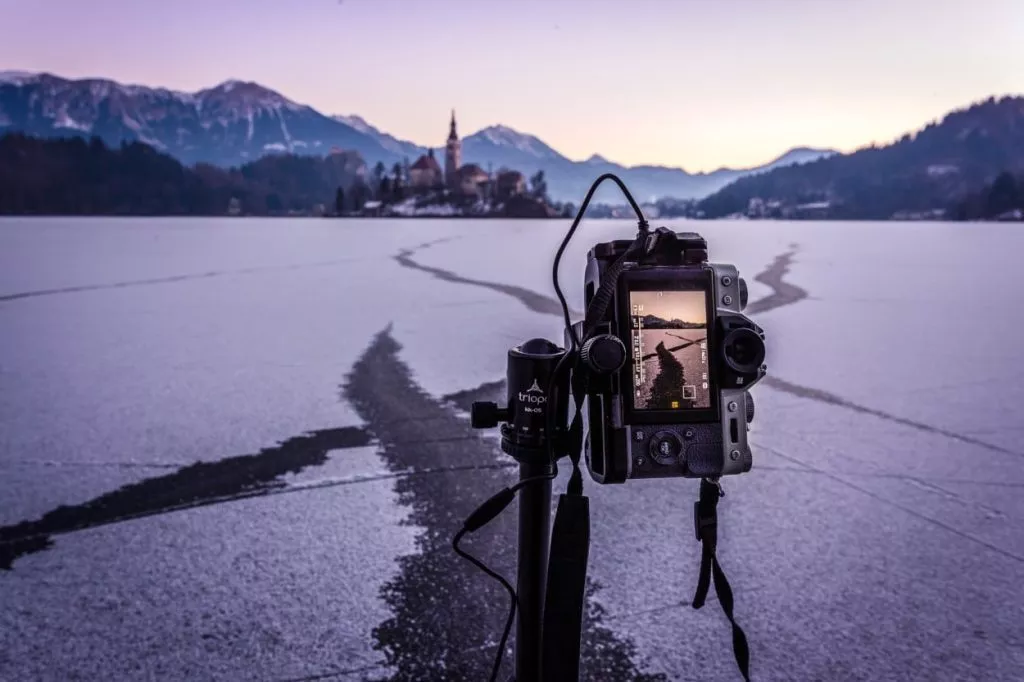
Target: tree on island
[
  {"x": 539, "y": 187},
  {"x": 378, "y": 173},
  {"x": 384, "y": 189},
  {"x": 1003, "y": 197},
  {"x": 397, "y": 183},
  {"x": 360, "y": 193},
  {"x": 339, "y": 201}
]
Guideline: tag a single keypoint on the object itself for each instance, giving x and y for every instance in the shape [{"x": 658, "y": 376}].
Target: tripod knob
[
  {"x": 603, "y": 353},
  {"x": 487, "y": 415}
]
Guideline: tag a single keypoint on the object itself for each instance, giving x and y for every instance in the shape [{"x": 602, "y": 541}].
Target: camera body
[{"x": 678, "y": 406}]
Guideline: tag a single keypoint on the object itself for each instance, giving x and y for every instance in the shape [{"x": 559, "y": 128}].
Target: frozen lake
[{"x": 237, "y": 450}]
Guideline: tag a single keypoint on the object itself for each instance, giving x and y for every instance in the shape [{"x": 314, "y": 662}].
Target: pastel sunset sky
[{"x": 694, "y": 83}]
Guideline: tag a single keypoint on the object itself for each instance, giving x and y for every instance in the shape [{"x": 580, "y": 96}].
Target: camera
[
  {"x": 658, "y": 372},
  {"x": 668, "y": 363}
]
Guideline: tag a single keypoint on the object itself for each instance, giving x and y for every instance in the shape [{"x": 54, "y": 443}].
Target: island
[
  {"x": 426, "y": 189},
  {"x": 72, "y": 175}
]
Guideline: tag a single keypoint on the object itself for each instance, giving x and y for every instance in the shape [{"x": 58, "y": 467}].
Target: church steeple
[
  {"x": 452, "y": 156},
  {"x": 452, "y": 135}
]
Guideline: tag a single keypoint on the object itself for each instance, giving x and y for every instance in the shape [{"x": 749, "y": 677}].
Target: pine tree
[
  {"x": 339, "y": 201},
  {"x": 539, "y": 186}
]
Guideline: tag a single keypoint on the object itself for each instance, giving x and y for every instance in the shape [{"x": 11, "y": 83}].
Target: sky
[
  {"x": 699, "y": 84},
  {"x": 688, "y": 306}
]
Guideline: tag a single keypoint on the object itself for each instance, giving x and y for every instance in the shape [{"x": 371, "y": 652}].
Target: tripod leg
[{"x": 534, "y": 545}]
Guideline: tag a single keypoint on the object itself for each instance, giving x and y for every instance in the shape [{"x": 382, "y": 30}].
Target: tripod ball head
[{"x": 533, "y": 390}]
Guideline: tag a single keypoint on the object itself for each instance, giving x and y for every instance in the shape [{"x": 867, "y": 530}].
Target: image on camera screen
[{"x": 670, "y": 350}]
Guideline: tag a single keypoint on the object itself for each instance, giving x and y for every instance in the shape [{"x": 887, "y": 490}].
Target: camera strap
[
  {"x": 705, "y": 520},
  {"x": 567, "y": 564}
]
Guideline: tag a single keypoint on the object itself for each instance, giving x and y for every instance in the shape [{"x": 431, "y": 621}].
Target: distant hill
[
  {"x": 569, "y": 180},
  {"x": 655, "y": 322},
  {"x": 928, "y": 173},
  {"x": 78, "y": 177},
  {"x": 237, "y": 122},
  {"x": 226, "y": 125}
]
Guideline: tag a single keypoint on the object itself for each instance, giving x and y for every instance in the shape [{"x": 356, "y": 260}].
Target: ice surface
[{"x": 882, "y": 516}]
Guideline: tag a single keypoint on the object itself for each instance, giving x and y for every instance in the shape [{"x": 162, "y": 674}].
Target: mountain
[
  {"x": 569, "y": 180},
  {"x": 236, "y": 122},
  {"x": 228, "y": 124},
  {"x": 925, "y": 174},
  {"x": 401, "y": 148},
  {"x": 655, "y": 322},
  {"x": 78, "y": 177}
]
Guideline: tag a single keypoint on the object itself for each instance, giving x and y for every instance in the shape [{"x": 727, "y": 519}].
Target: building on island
[
  {"x": 473, "y": 180},
  {"x": 509, "y": 183},
  {"x": 452, "y": 157},
  {"x": 470, "y": 180},
  {"x": 426, "y": 172}
]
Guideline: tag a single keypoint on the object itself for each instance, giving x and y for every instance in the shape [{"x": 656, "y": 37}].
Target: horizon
[
  {"x": 729, "y": 89},
  {"x": 438, "y": 148}
]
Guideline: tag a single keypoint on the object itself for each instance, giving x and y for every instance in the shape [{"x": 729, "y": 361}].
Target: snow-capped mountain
[
  {"x": 391, "y": 143},
  {"x": 488, "y": 142},
  {"x": 501, "y": 146},
  {"x": 228, "y": 124},
  {"x": 236, "y": 122}
]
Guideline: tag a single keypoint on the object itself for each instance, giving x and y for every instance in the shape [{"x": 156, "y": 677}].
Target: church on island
[{"x": 469, "y": 180}]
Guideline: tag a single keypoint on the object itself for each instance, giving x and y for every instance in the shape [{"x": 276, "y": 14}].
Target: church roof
[
  {"x": 471, "y": 169},
  {"x": 426, "y": 162},
  {"x": 510, "y": 176}
]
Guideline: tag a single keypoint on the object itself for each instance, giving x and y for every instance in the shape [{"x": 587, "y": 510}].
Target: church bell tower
[{"x": 452, "y": 156}]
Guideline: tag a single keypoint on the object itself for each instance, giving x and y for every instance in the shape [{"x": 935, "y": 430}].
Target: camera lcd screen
[{"x": 669, "y": 348}]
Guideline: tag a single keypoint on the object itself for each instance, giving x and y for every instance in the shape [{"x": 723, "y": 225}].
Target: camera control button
[
  {"x": 666, "y": 448},
  {"x": 639, "y": 435}
]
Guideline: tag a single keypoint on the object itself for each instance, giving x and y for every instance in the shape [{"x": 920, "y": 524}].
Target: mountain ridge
[
  {"x": 922, "y": 174},
  {"x": 237, "y": 121}
]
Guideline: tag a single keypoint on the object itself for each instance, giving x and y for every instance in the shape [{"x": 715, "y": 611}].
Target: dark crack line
[
  {"x": 913, "y": 512},
  {"x": 99, "y": 465},
  {"x": 444, "y": 613},
  {"x": 263, "y": 492},
  {"x": 193, "y": 485},
  {"x": 909, "y": 510},
  {"x": 538, "y": 303},
  {"x": 783, "y": 293},
  {"x": 827, "y": 398},
  {"x": 168, "y": 280}
]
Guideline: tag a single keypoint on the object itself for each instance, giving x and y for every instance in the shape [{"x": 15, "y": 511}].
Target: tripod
[
  {"x": 549, "y": 622},
  {"x": 532, "y": 573}
]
